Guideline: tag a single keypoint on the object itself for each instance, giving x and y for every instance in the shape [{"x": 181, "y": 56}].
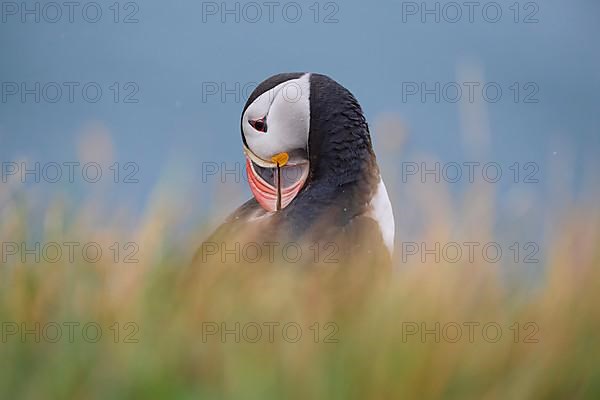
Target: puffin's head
[
  {"x": 290, "y": 123},
  {"x": 275, "y": 130}
]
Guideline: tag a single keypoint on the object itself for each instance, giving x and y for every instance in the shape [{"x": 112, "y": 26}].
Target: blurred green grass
[
  {"x": 370, "y": 355},
  {"x": 164, "y": 344}
]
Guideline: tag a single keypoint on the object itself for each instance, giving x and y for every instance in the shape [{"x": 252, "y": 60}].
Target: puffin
[{"x": 313, "y": 174}]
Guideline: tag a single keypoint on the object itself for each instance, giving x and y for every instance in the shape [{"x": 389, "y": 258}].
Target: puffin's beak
[
  {"x": 257, "y": 160},
  {"x": 276, "y": 182}
]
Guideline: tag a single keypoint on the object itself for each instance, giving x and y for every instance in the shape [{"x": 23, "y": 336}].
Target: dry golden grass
[
  {"x": 363, "y": 332},
  {"x": 366, "y": 345}
]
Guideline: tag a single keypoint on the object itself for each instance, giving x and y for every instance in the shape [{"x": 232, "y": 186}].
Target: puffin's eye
[{"x": 259, "y": 124}]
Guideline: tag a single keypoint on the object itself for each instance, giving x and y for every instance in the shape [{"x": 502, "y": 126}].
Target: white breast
[{"x": 380, "y": 209}]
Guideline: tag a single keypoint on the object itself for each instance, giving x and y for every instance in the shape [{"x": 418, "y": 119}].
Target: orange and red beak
[{"x": 277, "y": 182}]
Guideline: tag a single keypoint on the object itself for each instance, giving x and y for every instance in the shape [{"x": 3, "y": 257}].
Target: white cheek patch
[
  {"x": 287, "y": 108},
  {"x": 259, "y": 107}
]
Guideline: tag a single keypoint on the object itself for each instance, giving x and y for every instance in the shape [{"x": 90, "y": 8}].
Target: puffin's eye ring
[{"x": 259, "y": 124}]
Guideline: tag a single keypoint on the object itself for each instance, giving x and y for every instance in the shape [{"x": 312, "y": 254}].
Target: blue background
[{"x": 174, "y": 49}]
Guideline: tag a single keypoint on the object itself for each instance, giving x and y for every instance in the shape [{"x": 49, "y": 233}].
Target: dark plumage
[{"x": 333, "y": 204}]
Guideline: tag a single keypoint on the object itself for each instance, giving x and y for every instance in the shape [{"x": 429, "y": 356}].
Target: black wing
[{"x": 238, "y": 226}]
